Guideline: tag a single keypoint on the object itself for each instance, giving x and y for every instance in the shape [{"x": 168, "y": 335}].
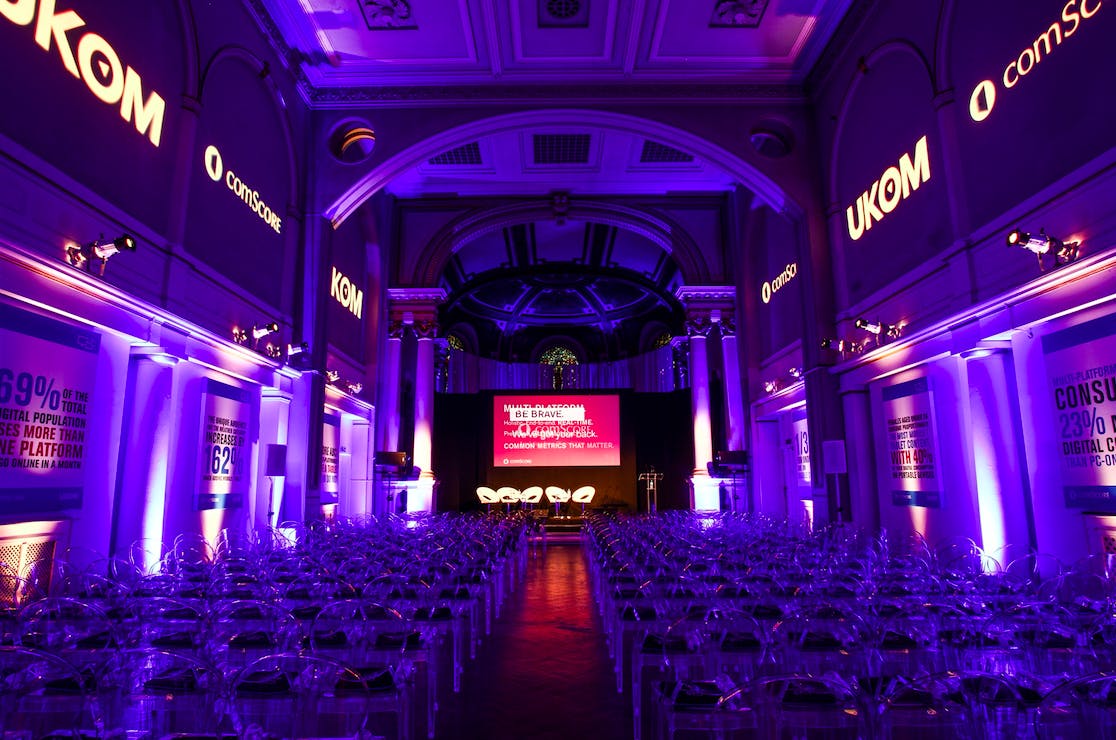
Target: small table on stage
[{"x": 651, "y": 481}]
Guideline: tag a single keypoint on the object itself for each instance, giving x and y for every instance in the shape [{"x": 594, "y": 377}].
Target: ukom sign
[
  {"x": 894, "y": 186},
  {"x": 91, "y": 59}
]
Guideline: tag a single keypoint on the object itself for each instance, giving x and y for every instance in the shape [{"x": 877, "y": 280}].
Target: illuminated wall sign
[
  {"x": 344, "y": 292},
  {"x": 983, "y": 98},
  {"x": 96, "y": 63},
  {"x": 1082, "y": 381},
  {"x": 215, "y": 167},
  {"x": 769, "y": 288},
  {"x": 895, "y": 184}
]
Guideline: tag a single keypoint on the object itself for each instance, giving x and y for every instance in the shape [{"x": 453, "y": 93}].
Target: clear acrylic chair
[
  {"x": 42, "y": 695},
  {"x": 157, "y": 693},
  {"x": 289, "y": 695}
]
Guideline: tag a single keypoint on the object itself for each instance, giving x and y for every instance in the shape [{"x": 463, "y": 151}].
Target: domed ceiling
[{"x": 596, "y": 287}]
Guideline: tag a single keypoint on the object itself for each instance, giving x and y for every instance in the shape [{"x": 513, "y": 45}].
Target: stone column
[
  {"x": 388, "y": 407},
  {"x": 705, "y": 308},
  {"x": 423, "y": 500},
  {"x": 417, "y": 309},
  {"x": 997, "y": 464},
  {"x": 735, "y": 420},
  {"x": 145, "y": 452}
]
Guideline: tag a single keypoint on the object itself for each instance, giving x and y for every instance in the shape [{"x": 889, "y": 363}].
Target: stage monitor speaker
[
  {"x": 731, "y": 459},
  {"x": 385, "y": 459},
  {"x": 276, "y": 461}
]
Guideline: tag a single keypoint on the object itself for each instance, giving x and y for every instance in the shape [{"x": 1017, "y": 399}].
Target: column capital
[
  {"x": 411, "y": 306},
  {"x": 707, "y": 304},
  {"x": 699, "y": 326}
]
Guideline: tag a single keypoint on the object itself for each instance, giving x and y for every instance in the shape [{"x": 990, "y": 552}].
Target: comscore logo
[
  {"x": 895, "y": 185},
  {"x": 772, "y": 287},
  {"x": 983, "y": 98},
  {"x": 95, "y": 62},
  {"x": 215, "y": 168}
]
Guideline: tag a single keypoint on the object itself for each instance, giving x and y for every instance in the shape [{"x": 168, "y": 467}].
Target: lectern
[{"x": 651, "y": 483}]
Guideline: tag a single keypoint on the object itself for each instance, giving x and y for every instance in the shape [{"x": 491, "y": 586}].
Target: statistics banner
[
  {"x": 331, "y": 447},
  {"x": 47, "y": 376},
  {"x": 802, "y": 474},
  {"x": 1081, "y": 374},
  {"x": 224, "y": 468},
  {"x": 556, "y": 431},
  {"x": 912, "y": 444}
]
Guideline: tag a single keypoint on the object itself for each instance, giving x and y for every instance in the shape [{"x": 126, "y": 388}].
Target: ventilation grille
[
  {"x": 561, "y": 148},
  {"x": 656, "y": 153},
  {"x": 468, "y": 154},
  {"x": 33, "y": 561},
  {"x": 563, "y": 13}
]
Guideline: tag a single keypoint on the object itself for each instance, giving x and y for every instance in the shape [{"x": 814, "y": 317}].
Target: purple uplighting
[{"x": 324, "y": 325}]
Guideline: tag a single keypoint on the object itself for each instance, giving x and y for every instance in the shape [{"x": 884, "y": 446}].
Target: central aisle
[{"x": 545, "y": 671}]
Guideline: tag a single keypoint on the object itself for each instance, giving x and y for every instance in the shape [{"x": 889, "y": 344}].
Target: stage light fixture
[
  {"x": 100, "y": 249},
  {"x": 795, "y": 372},
  {"x": 293, "y": 350},
  {"x": 355, "y": 388},
  {"x": 274, "y": 351},
  {"x": 259, "y": 331},
  {"x": 873, "y": 327},
  {"x": 239, "y": 335},
  {"x": 332, "y": 376},
  {"x": 1044, "y": 245},
  {"x": 770, "y": 386}
]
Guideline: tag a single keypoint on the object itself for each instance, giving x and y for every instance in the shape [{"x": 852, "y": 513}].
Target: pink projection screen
[{"x": 555, "y": 431}]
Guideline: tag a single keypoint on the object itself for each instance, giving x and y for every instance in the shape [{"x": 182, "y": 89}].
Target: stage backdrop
[{"x": 654, "y": 429}]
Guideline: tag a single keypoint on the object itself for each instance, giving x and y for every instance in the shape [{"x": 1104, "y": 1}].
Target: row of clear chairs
[
  {"x": 723, "y": 605},
  {"x": 344, "y": 622}
]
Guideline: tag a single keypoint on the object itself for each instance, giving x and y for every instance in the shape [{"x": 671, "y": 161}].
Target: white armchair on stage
[
  {"x": 557, "y": 496},
  {"x": 487, "y": 496},
  {"x": 584, "y": 495},
  {"x": 508, "y": 496},
  {"x": 531, "y": 496}
]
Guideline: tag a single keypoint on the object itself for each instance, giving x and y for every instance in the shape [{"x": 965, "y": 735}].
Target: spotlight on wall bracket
[
  {"x": 770, "y": 386},
  {"x": 98, "y": 251},
  {"x": 354, "y": 388},
  {"x": 259, "y": 331},
  {"x": 332, "y": 376},
  {"x": 239, "y": 335},
  {"x": 274, "y": 351},
  {"x": 844, "y": 346},
  {"x": 878, "y": 327},
  {"x": 1044, "y": 245}
]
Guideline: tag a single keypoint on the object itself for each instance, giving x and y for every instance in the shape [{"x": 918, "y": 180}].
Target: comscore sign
[
  {"x": 215, "y": 168},
  {"x": 92, "y": 60},
  {"x": 983, "y": 98}
]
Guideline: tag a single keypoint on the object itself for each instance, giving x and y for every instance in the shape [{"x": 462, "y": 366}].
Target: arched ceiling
[
  {"x": 595, "y": 283},
  {"x": 364, "y": 46},
  {"x": 579, "y": 160},
  {"x": 586, "y": 278}
]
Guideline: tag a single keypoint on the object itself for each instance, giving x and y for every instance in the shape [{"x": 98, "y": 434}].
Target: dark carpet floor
[{"x": 544, "y": 672}]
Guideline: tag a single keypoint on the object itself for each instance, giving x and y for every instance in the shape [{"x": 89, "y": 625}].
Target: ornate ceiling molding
[
  {"x": 656, "y": 228},
  {"x": 417, "y": 96}
]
